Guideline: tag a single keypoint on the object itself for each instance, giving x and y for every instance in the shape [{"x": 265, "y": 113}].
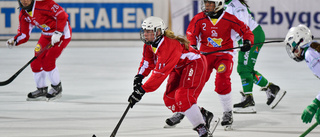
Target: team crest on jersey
[
  {"x": 257, "y": 50},
  {"x": 44, "y": 27},
  {"x": 258, "y": 77},
  {"x": 214, "y": 33},
  {"x": 37, "y": 48},
  {"x": 221, "y": 68},
  {"x": 213, "y": 42}
]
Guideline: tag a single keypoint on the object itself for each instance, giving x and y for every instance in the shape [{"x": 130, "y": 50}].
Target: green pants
[{"x": 246, "y": 62}]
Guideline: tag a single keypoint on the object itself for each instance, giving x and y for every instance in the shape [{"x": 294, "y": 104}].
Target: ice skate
[
  {"x": 207, "y": 117},
  {"x": 246, "y": 106},
  {"x": 38, "y": 95},
  {"x": 202, "y": 131},
  {"x": 174, "y": 120},
  {"x": 227, "y": 120},
  {"x": 55, "y": 92},
  {"x": 274, "y": 94},
  {"x": 213, "y": 125}
]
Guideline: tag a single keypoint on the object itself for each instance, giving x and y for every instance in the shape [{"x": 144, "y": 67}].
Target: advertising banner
[{"x": 94, "y": 19}]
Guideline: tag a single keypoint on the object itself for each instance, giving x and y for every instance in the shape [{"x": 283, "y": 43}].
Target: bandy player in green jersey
[
  {"x": 247, "y": 60},
  {"x": 300, "y": 46}
]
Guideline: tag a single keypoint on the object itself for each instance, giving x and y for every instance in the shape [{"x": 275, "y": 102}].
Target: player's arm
[
  {"x": 61, "y": 18},
  {"x": 23, "y": 32},
  {"x": 166, "y": 62},
  {"x": 242, "y": 14},
  {"x": 244, "y": 31},
  {"x": 147, "y": 62},
  {"x": 193, "y": 32},
  {"x": 59, "y": 14}
]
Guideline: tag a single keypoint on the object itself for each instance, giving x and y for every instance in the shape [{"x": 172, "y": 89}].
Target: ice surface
[{"x": 97, "y": 80}]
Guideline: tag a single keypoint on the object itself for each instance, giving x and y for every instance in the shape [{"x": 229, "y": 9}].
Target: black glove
[
  {"x": 246, "y": 46},
  {"x": 136, "y": 96},
  {"x": 137, "y": 81},
  {"x": 195, "y": 47}
]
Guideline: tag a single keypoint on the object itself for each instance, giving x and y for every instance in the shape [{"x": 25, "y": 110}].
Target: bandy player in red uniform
[
  {"x": 213, "y": 28},
  {"x": 168, "y": 55},
  {"x": 56, "y": 31}
]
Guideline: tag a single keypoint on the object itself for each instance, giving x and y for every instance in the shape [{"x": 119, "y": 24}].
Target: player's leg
[
  {"x": 42, "y": 88},
  {"x": 247, "y": 85},
  {"x": 192, "y": 81},
  {"x": 245, "y": 68},
  {"x": 247, "y": 104},
  {"x": 38, "y": 72},
  {"x": 169, "y": 100},
  {"x": 49, "y": 65},
  {"x": 223, "y": 87},
  {"x": 270, "y": 88}
]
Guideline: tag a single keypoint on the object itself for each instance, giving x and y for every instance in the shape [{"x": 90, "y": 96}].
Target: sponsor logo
[
  {"x": 221, "y": 68},
  {"x": 37, "y": 48},
  {"x": 213, "y": 42}
]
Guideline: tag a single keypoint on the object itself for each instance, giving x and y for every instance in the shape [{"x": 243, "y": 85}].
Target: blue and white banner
[
  {"x": 94, "y": 19},
  {"x": 275, "y": 16}
]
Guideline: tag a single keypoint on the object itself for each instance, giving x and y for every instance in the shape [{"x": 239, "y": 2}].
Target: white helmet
[
  {"x": 219, "y": 4},
  {"x": 154, "y": 24},
  {"x": 296, "y": 40}
]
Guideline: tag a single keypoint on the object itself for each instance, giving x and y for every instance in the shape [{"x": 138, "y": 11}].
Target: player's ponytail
[
  {"x": 181, "y": 39},
  {"x": 315, "y": 46}
]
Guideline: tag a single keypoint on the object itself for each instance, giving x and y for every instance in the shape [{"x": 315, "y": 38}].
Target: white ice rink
[{"x": 97, "y": 79}]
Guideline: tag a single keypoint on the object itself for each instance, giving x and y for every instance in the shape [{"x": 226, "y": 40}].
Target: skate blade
[
  {"x": 37, "y": 99},
  {"x": 213, "y": 125},
  {"x": 278, "y": 98},
  {"x": 54, "y": 98},
  {"x": 168, "y": 126},
  {"x": 228, "y": 128},
  {"x": 247, "y": 110}
]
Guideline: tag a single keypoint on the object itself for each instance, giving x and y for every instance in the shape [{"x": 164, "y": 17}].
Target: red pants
[
  {"x": 185, "y": 85},
  {"x": 223, "y": 64},
  {"x": 46, "y": 59}
]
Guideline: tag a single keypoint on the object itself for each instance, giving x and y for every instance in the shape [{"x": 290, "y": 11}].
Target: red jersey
[
  {"x": 216, "y": 36},
  {"x": 169, "y": 55},
  {"x": 46, "y": 15}
]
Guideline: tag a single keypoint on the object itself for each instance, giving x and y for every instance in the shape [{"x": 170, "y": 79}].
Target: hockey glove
[
  {"x": 56, "y": 35},
  {"x": 137, "y": 81},
  {"x": 309, "y": 112},
  {"x": 136, "y": 96},
  {"x": 246, "y": 46},
  {"x": 195, "y": 47},
  {"x": 11, "y": 43}
]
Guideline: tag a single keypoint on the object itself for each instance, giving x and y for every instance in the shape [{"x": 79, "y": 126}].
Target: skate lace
[
  {"x": 269, "y": 93},
  {"x": 52, "y": 91},
  {"x": 226, "y": 116},
  {"x": 176, "y": 117},
  {"x": 272, "y": 90},
  {"x": 36, "y": 92},
  {"x": 201, "y": 130}
]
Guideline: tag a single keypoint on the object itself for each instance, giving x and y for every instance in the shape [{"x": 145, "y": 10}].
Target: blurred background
[{"x": 121, "y": 19}]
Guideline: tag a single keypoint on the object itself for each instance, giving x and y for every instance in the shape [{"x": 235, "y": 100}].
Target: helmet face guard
[
  {"x": 152, "y": 26},
  {"x": 294, "y": 53},
  {"x": 144, "y": 32},
  {"x": 297, "y": 40},
  {"x": 27, "y": 8},
  {"x": 219, "y": 4}
]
